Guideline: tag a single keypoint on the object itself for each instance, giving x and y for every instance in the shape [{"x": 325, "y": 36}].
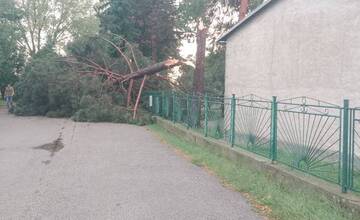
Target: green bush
[
  {"x": 50, "y": 88},
  {"x": 103, "y": 110},
  {"x": 44, "y": 87}
]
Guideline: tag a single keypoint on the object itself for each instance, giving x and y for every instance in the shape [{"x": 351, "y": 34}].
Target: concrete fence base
[{"x": 278, "y": 172}]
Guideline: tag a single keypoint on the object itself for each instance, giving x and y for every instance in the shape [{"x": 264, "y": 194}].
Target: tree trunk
[
  {"x": 199, "y": 74},
  {"x": 156, "y": 68},
  {"x": 139, "y": 96},
  {"x": 244, "y": 8},
  {"x": 154, "y": 29},
  {"x": 154, "y": 49},
  {"x": 129, "y": 91},
  {"x": 198, "y": 82}
]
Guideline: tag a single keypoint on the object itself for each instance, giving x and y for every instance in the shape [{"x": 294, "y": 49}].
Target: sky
[{"x": 187, "y": 49}]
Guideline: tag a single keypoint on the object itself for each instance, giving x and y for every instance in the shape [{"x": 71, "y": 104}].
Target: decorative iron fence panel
[
  {"x": 194, "y": 109},
  {"x": 309, "y": 134},
  {"x": 312, "y": 136},
  {"x": 354, "y": 153},
  {"x": 181, "y": 110},
  {"x": 218, "y": 117},
  {"x": 253, "y": 124}
]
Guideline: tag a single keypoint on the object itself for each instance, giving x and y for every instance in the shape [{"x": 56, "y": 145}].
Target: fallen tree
[
  {"x": 153, "y": 69},
  {"x": 88, "y": 66}
]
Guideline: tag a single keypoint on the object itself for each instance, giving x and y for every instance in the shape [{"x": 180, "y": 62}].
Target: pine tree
[
  {"x": 149, "y": 23},
  {"x": 11, "y": 52}
]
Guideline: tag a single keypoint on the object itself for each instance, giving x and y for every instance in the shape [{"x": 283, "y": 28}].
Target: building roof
[{"x": 245, "y": 21}]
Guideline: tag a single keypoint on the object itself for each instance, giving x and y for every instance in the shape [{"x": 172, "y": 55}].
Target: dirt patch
[{"x": 52, "y": 147}]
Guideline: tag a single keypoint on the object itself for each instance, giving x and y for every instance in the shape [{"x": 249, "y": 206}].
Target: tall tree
[
  {"x": 204, "y": 20},
  {"x": 214, "y": 77},
  {"x": 243, "y": 6},
  {"x": 118, "y": 17},
  {"x": 196, "y": 17},
  {"x": 148, "y": 23},
  {"x": 199, "y": 75},
  {"x": 158, "y": 38},
  {"x": 54, "y": 22},
  {"x": 11, "y": 52}
]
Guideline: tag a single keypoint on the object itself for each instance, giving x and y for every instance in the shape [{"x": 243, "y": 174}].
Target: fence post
[
  {"x": 173, "y": 107},
  {"x": 157, "y": 105},
  {"x": 165, "y": 105},
  {"x": 345, "y": 147},
  {"x": 188, "y": 111},
  {"x": 232, "y": 120},
  {"x": 206, "y": 103},
  {"x": 179, "y": 114},
  {"x": 151, "y": 103},
  {"x": 273, "y": 131},
  {"x": 162, "y": 104},
  {"x": 351, "y": 149},
  {"x": 168, "y": 105}
]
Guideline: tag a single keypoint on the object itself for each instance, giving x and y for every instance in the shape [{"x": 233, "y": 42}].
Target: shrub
[
  {"x": 50, "y": 88},
  {"x": 38, "y": 90},
  {"x": 103, "y": 110}
]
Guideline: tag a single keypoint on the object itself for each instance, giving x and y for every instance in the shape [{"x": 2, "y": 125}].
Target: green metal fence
[
  {"x": 309, "y": 134},
  {"x": 354, "y": 150},
  {"x": 217, "y": 117},
  {"x": 312, "y": 136},
  {"x": 253, "y": 124}
]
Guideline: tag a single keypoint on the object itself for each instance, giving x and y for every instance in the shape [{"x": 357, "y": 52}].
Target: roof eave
[{"x": 223, "y": 38}]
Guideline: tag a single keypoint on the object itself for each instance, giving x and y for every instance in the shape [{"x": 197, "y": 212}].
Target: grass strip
[{"x": 274, "y": 199}]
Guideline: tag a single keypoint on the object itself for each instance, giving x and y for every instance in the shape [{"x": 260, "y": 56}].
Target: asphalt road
[{"x": 103, "y": 171}]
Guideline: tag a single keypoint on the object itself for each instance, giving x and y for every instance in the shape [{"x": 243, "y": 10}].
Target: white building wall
[{"x": 298, "y": 48}]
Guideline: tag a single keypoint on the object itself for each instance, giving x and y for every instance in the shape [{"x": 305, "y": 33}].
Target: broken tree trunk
[
  {"x": 198, "y": 83},
  {"x": 244, "y": 8},
  {"x": 153, "y": 69},
  {"x": 156, "y": 68},
  {"x": 139, "y": 96},
  {"x": 95, "y": 69},
  {"x": 131, "y": 84}
]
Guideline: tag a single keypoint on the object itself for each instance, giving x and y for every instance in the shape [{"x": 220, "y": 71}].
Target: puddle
[
  {"x": 46, "y": 162},
  {"x": 53, "y": 147}
]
